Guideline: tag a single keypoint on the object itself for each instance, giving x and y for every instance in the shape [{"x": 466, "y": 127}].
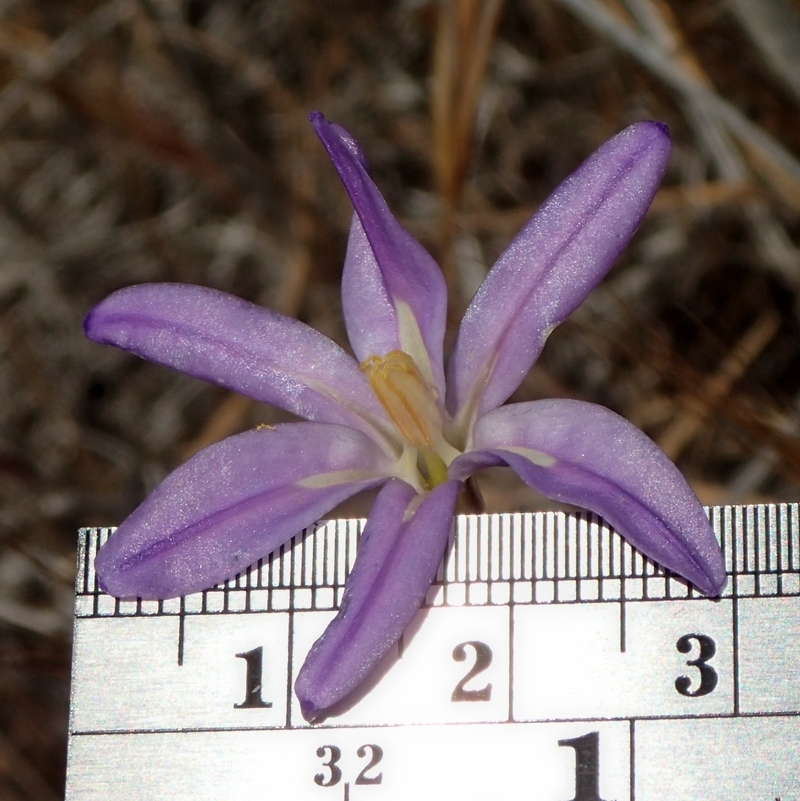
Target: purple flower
[{"x": 389, "y": 417}]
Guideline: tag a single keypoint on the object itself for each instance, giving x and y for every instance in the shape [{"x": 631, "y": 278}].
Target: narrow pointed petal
[
  {"x": 225, "y": 340},
  {"x": 586, "y": 455},
  {"x": 234, "y": 503},
  {"x": 397, "y": 560},
  {"x": 551, "y": 266},
  {"x": 393, "y": 292}
]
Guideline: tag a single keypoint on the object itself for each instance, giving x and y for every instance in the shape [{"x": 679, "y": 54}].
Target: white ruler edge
[{"x": 583, "y": 635}]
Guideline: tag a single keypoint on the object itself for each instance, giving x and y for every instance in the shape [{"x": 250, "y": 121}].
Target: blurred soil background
[{"x": 167, "y": 140}]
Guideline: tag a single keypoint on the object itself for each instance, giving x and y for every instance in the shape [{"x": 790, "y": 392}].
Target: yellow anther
[{"x": 406, "y": 396}]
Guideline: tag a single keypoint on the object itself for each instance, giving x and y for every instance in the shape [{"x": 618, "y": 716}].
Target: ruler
[{"x": 551, "y": 662}]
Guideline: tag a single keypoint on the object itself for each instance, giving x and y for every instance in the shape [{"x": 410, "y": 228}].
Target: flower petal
[
  {"x": 397, "y": 560},
  {"x": 223, "y": 339},
  {"x": 551, "y": 266},
  {"x": 234, "y": 503},
  {"x": 586, "y": 455},
  {"x": 393, "y": 293}
]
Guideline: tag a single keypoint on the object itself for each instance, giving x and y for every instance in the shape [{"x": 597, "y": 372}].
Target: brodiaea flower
[{"x": 390, "y": 418}]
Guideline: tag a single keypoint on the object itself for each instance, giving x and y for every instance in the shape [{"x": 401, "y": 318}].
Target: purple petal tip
[
  {"x": 329, "y": 132},
  {"x": 88, "y": 327},
  {"x": 310, "y": 712},
  {"x": 715, "y": 576},
  {"x": 653, "y": 135}
]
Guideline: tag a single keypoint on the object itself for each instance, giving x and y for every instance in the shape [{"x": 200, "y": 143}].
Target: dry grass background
[{"x": 148, "y": 140}]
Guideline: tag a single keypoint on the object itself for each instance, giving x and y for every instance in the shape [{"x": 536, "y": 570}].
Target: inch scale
[{"x": 551, "y": 662}]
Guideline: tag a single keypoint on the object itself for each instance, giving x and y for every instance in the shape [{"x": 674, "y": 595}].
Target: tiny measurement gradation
[{"x": 551, "y": 662}]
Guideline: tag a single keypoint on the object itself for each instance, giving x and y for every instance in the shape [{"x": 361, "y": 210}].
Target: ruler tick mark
[{"x": 181, "y": 632}]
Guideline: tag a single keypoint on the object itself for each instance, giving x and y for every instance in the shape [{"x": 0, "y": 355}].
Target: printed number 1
[
  {"x": 253, "y": 679},
  {"x": 587, "y": 766}
]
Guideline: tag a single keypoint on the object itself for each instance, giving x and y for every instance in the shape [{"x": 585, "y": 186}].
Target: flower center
[
  {"x": 408, "y": 400},
  {"x": 411, "y": 405}
]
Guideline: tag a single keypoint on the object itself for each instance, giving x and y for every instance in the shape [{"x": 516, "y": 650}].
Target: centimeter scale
[{"x": 551, "y": 662}]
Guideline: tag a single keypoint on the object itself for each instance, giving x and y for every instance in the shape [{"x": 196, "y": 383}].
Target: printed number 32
[{"x": 334, "y": 774}]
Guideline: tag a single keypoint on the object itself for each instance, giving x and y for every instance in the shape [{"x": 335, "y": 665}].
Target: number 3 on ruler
[{"x": 708, "y": 676}]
